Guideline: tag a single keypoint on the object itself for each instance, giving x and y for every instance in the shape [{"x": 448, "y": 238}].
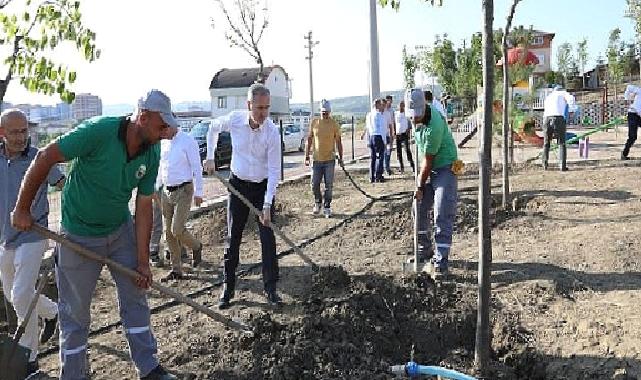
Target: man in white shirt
[
  {"x": 554, "y": 109},
  {"x": 376, "y": 130},
  {"x": 181, "y": 177},
  {"x": 255, "y": 172},
  {"x": 388, "y": 113},
  {"x": 633, "y": 95},
  {"x": 403, "y": 131}
]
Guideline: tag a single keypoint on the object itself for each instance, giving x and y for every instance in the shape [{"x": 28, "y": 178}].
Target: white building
[
  {"x": 229, "y": 87},
  {"x": 85, "y": 106}
]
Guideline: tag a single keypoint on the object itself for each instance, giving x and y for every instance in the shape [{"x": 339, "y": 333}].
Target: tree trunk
[
  {"x": 3, "y": 91},
  {"x": 506, "y": 129},
  {"x": 482, "y": 347},
  {"x": 506, "y": 107}
]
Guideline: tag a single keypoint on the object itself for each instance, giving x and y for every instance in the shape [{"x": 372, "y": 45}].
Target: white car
[{"x": 293, "y": 138}]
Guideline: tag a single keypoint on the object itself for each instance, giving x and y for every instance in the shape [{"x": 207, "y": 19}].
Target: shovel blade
[{"x": 16, "y": 368}]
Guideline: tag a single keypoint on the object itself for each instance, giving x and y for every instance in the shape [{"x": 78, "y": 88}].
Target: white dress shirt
[
  {"x": 375, "y": 124},
  {"x": 556, "y": 102},
  {"x": 180, "y": 163},
  {"x": 389, "y": 119},
  {"x": 633, "y": 93},
  {"x": 401, "y": 122},
  {"x": 255, "y": 152}
]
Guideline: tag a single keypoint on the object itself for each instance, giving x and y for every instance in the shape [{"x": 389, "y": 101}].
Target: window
[
  {"x": 222, "y": 102},
  {"x": 538, "y": 40},
  {"x": 541, "y": 58}
]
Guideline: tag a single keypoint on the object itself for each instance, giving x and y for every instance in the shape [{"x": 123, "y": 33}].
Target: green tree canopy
[{"x": 32, "y": 30}]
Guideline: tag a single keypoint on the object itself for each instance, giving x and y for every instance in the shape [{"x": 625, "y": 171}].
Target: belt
[
  {"x": 245, "y": 182},
  {"x": 174, "y": 188}
]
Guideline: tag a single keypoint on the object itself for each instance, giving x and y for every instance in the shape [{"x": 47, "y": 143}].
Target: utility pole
[
  {"x": 374, "y": 78},
  {"x": 310, "y": 55}
]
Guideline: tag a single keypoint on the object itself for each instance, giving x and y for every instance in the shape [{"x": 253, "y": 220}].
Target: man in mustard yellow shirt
[{"x": 324, "y": 139}]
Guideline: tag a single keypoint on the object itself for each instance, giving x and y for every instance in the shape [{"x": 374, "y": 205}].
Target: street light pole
[
  {"x": 310, "y": 55},
  {"x": 374, "y": 78}
]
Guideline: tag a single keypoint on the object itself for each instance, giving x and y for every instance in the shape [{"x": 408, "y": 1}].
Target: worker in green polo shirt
[
  {"x": 109, "y": 158},
  {"x": 437, "y": 153}
]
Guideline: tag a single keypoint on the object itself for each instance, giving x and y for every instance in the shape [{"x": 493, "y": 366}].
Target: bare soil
[{"x": 565, "y": 294}]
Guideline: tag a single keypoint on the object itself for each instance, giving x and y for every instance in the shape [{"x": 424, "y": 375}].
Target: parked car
[
  {"x": 222, "y": 156},
  {"x": 293, "y": 138}
]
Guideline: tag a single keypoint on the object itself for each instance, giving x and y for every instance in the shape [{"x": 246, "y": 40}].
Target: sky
[{"x": 172, "y": 46}]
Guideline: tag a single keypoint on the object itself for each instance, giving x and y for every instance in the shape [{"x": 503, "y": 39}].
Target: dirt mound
[{"x": 356, "y": 327}]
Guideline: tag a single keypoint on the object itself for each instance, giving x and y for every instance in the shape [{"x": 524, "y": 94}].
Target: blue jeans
[
  {"x": 388, "y": 156},
  {"x": 320, "y": 170},
  {"x": 376, "y": 155},
  {"x": 440, "y": 196}
]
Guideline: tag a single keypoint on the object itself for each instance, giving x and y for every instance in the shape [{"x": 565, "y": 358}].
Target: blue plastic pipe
[{"x": 412, "y": 369}]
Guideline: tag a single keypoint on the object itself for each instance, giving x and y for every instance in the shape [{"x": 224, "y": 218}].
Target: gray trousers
[
  {"x": 76, "y": 277},
  {"x": 554, "y": 125},
  {"x": 440, "y": 197},
  {"x": 156, "y": 228},
  {"x": 323, "y": 170}
]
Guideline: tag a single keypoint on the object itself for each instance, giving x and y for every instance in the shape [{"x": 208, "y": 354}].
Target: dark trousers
[
  {"x": 634, "y": 121},
  {"x": 237, "y": 214},
  {"x": 404, "y": 138},
  {"x": 554, "y": 125},
  {"x": 376, "y": 154}
]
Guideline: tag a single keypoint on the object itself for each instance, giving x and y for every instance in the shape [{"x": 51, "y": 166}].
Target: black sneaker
[
  {"x": 172, "y": 275},
  {"x": 49, "y": 329},
  {"x": 154, "y": 259},
  {"x": 225, "y": 297},
  {"x": 32, "y": 370},
  {"x": 159, "y": 373},
  {"x": 624, "y": 157},
  {"x": 197, "y": 256},
  {"x": 272, "y": 298}
]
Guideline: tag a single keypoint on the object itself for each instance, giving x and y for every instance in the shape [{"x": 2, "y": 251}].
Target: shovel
[
  {"x": 14, "y": 356},
  {"x": 82, "y": 251},
  {"x": 257, "y": 212}
]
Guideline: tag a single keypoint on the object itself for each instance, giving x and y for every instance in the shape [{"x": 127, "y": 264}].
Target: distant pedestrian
[
  {"x": 376, "y": 129},
  {"x": 255, "y": 172},
  {"x": 325, "y": 141},
  {"x": 388, "y": 113},
  {"x": 181, "y": 177},
  {"x": 437, "y": 154},
  {"x": 21, "y": 251},
  {"x": 156, "y": 228},
  {"x": 403, "y": 133},
  {"x": 633, "y": 96},
  {"x": 554, "y": 123},
  {"x": 111, "y": 157}
]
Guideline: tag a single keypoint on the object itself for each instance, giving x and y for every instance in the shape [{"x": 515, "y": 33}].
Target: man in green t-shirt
[
  {"x": 109, "y": 158},
  {"x": 437, "y": 153}
]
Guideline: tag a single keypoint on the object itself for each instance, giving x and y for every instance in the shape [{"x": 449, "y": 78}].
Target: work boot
[
  {"x": 197, "y": 256},
  {"x": 49, "y": 329},
  {"x": 272, "y": 298},
  {"x": 440, "y": 272},
  {"x": 159, "y": 373},
  {"x": 225, "y": 297}
]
